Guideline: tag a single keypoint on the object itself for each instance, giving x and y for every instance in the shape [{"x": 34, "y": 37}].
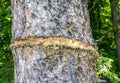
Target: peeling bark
[{"x": 52, "y": 63}]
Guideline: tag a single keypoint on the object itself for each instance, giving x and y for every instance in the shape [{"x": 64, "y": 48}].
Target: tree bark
[
  {"x": 52, "y": 42},
  {"x": 116, "y": 25}
]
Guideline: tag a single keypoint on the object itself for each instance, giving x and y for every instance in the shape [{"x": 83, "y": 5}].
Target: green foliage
[
  {"x": 6, "y": 59},
  {"x": 106, "y": 69},
  {"x": 101, "y": 24}
]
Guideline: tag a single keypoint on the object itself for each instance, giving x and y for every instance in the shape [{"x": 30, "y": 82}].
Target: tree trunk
[
  {"x": 52, "y": 42},
  {"x": 116, "y": 25}
]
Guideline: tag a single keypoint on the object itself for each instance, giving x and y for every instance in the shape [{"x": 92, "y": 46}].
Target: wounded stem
[{"x": 56, "y": 41}]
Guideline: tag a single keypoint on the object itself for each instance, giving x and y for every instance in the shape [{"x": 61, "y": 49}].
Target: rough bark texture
[
  {"x": 52, "y": 63},
  {"x": 67, "y": 18},
  {"x": 116, "y": 25}
]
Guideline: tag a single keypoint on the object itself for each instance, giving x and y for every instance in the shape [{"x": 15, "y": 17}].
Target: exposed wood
[{"x": 55, "y": 41}]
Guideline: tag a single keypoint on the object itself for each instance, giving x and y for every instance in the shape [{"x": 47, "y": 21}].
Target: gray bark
[
  {"x": 116, "y": 25},
  {"x": 59, "y": 64}
]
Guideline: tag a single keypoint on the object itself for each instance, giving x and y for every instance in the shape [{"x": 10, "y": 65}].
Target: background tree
[
  {"x": 52, "y": 42},
  {"x": 116, "y": 25}
]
